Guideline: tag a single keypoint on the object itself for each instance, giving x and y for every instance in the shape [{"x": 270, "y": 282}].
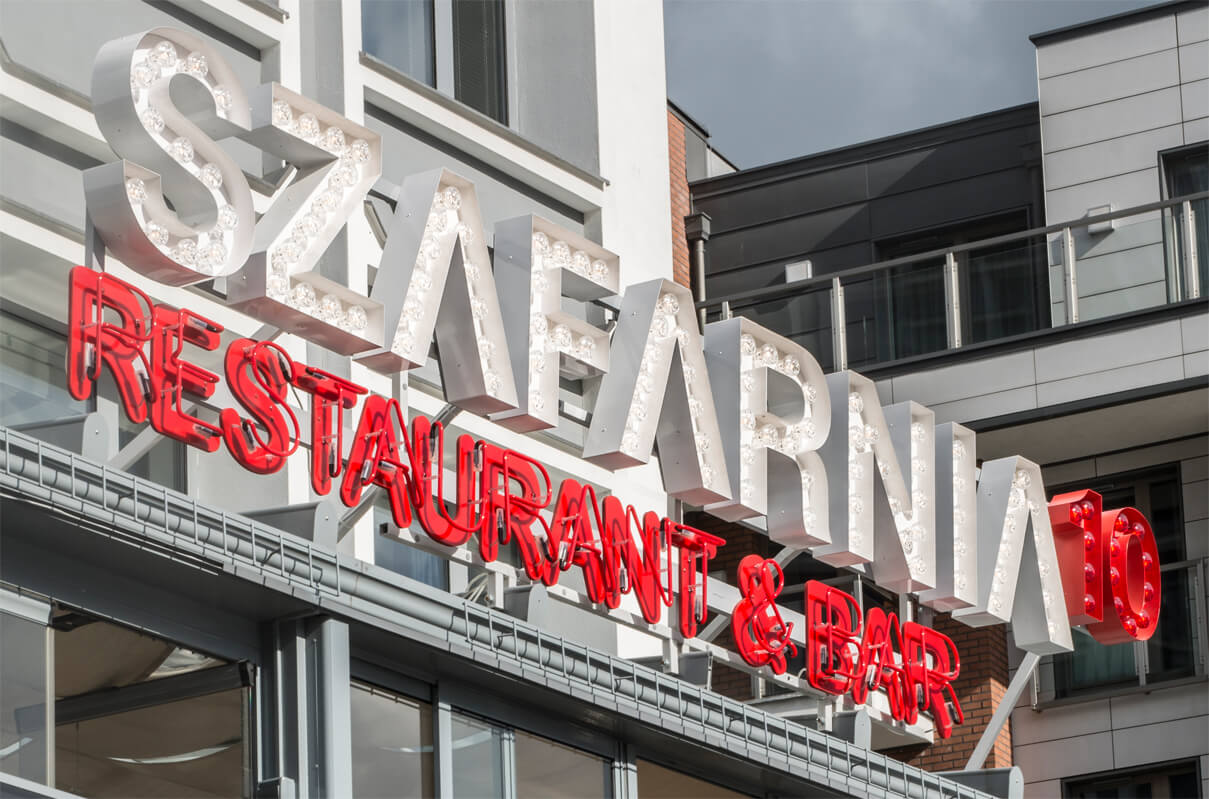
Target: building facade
[
  {"x": 953, "y": 254},
  {"x": 176, "y": 625}
]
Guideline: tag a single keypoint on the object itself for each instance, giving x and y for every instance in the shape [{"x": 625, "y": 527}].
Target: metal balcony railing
[{"x": 1091, "y": 268}]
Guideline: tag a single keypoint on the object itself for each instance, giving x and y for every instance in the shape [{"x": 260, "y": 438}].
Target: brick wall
[
  {"x": 681, "y": 268},
  {"x": 980, "y": 687},
  {"x": 740, "y": 542}
]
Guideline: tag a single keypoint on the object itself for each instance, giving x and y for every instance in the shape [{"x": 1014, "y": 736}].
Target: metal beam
[{"x": 1004, "y": 711}]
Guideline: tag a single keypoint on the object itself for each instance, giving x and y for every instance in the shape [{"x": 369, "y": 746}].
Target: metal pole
[
  {"x": 1004, "y": 711},
  {"x": 952, "y": 302},
  {"x": 1192, "y": 274},
  {"x": 1071, "y": 280},
  {"x": 839, "y": 330}
]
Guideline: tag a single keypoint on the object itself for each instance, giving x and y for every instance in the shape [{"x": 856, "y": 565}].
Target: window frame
[{"x": 1121, "y": 775}]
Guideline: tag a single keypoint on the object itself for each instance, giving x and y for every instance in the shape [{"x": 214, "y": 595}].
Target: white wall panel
[
  {"x": 1114, "y": 303},
  {"x": 1053, "y": 760},
  {"x": 976, "y": 378},
  {"x": 1195, "y": 99},
  {"x": 1109, "y": 120},
  {"x": 1030, "y": 727},
  {"x": 1112, "y": 81},
  {"x": 1193, "y": 25},
  {"x": 1114, "y": 44},
  {"x": 1117, "y": 271},
  {"x": 1194, "y": 61},
  {"x": 1123, "y": 191},
  {"x": 1111, "y": 381},
  {"x": 1131, "y": 153},
  {"x": 1098, "y": 353},
  {"x": 1154, "y": 743},
  {"x": 1196, "y": 131},
  {"x": 987, "y": 406}
]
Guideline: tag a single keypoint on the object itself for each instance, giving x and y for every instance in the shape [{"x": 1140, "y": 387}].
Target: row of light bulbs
[
  {"x": 289, "y": 249},
  {"x": 206, "y": 252}
]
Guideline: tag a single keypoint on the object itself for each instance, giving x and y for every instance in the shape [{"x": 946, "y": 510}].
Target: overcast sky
[{"x": 776, "y": 79}]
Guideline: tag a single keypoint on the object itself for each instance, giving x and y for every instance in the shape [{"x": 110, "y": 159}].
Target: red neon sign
[{"x": 501, "y": 495}]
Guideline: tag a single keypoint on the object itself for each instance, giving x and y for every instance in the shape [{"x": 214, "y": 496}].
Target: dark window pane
[
  {"x": 478, "y": 56},
  {"x": 23, "y": 698},
  {"x": 915, "y": 296},
  {"x": 1002, "y": 284},
  {"x": 392, "y": 745},
  {"x": 400, "y": 32},
  {"x": 1177, "y": 780},
  {"x": 553, "y": 771},
  {"x": 1171, "y": 651},
  {"x": 409, "y": 561},
  {"x": 1188, "y": 173}
]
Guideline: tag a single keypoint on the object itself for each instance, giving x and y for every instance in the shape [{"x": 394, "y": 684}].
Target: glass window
[
  {"x": 478, "y": 758},
  {"x": 400, "y": 33},
  {"x": 119, "y": 735},
  {"x": 657, "y": 782},
  {"x": 1179, "y": 779},
  {"x": 23, "y": 696},
  {"x": 1187, "y": 172},
  {"x": 548, "y": 769},
  {"x": 33, "y": 381},
  {"x": 392, "y": 745},
  {"x": 478, "y": 56},
  {"x": 1170, "y": 652}
]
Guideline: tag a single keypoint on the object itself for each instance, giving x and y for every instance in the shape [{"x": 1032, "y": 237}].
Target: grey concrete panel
[
  {"x": 1194, "y": 98},
  {"x": 1194, "y": 61},
  {"x": 1120, "y": 270},
  {"x": 409, "y": 151},
  {"x": 1123, "y": 154},
  {"x": 40, "y": 181},
  {"x": 1110, "y": 381},
  {"x": 1108, "y": 82},
  {"x": 1192, "y": 25},
  {"x": 788, "y": 237},
  {"x": 1196, "y": 131},
  {"x": 964, "y": 380},
  {"x": 1108, "y": 120},
  {"x": 1113, "y": 44},
  {"x": 1196, "y": 501},
  {"x": 1193, "y": 470},
  {"x": 1043, "y": 788},
  {"x": 1154, "y": 743},
  {"x": 1030, "y": 727},
  {"x": 987, "y": 406},
  {"x": 1194, "y": 332},
  {"x": 1144, "y": 457},
  {"x": 1108, "y": 351},
  {"x": 1069, "y": 472},
  {"x": 1123, "y": 191},
  {"x": 791, "y": 196},
  {"x": 1052, "y": 760},
  {"x": 1114, "y": 303},
  {"x": 556, "y": 68},
  {"x": 744, "y": 278}
]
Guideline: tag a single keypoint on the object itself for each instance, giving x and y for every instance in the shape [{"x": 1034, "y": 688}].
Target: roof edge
[{"x": 1082, "y": 28}]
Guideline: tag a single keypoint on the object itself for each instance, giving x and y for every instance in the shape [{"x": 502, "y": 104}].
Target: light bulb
[
  {"x": 541, "y": 242},
  {"x": 359, "y": 150},
  {"x": 157, "y": 233},
  {"x": 211, "y": 175},
  {"x": 142, "y": 75},
  {"x": 196, "y": 65},
  {"x": 303, "y": 297},
  {"x": 791, "y": 366},
  {"x": 185, "y": 252},
  {"x": 152, "y": 120},
  {"x": 163, "y": 54},
  {"x": 283, "y": 115},
  {"x": 330, "y": 309},
  {"x": 307, "y": 126},
  {"x": 580, "y": 263},
  {"x": 333, "y": 140},
  {"x": 453, "y": 200},
  {"x": 855, "y": 403},
  {"x": 356, "y": 319},
  {"x": 182, "y": 150},
  {"x": 136, "y": 190},
  {"x": 228, "y": 218},
  {"x": 599, "y": 271},
  {"x": 222, "y": 98}
]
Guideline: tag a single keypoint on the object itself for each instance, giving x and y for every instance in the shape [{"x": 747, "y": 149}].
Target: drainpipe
[{"x": 696, "y": 230}]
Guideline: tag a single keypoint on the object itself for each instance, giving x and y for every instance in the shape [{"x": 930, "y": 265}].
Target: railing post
[
  {"x": 952, "y": 302},
  {"x": 1071, "y": 279},
  {"x": 1192, "y": 275},
  {"x": 839, "y": 329}
]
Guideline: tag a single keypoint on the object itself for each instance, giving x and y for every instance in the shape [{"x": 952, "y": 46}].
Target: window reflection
[
  {"x": 478, "y": 758},
  {"x": 33, "y": 383},
  {"x": 23, "y": 697},
  {"x": 548, "y": 769},
  {"x": 657, "y": 782},
  {"x": 392, "y": 745}
]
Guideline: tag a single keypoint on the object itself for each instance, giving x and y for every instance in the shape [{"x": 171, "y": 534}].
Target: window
[
  {"x": 23, "y": 695},
  {"x": 1171, "y": 652},
  {"x": 1179, "y": 779},
  {"x": 471, "y": 66},
  {"x": 486, "y": 755},
  {"x": 401, "y": 558},
  {"x": 33, "y": 382},
  {"x": 657, "y": 782},
  {"x": 392, "y": 745},
  {"x": 1187, "y": 172}
]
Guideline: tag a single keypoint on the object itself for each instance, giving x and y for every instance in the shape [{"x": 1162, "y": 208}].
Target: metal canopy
[{"x": 134, "y": 512}]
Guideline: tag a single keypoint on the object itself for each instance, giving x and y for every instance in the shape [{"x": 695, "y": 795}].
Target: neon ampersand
[{"x": 761, "y": 635}]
